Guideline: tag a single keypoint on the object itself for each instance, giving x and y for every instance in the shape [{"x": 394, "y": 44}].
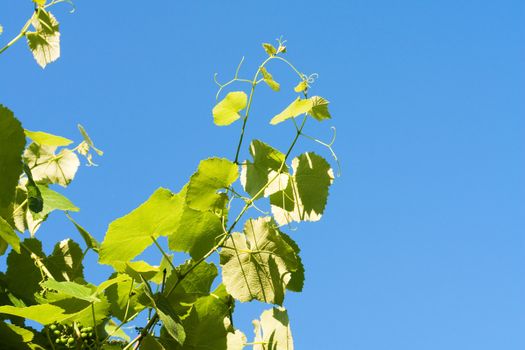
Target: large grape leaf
[
  {"x": 22, "y": 264},
  {"x": 196, "y": 233},
  {"x": 131, "y": 234},
  {"x": 305, "y": 195},
  {"x": 267, "y": 161},
  {"x": 44, "y": 42},
  {"x": 71, "y": 289},
  {"x": 205, "y": 328},
  {"x": 48, "y": 167},
  {"x": 213, "y": 174},
  {"x": 12, "y": 143},
  {"x": 44, "y": 314},
  {"x": 196, "y": 284},
  {"x": 273, "y": 331},
  {"x": 258, "y": 263},
  {"x": 65, "y": 263},
  {"x": 124, "y": 298},
  {"x": 14, "y": 337},
  {"x": 227, "y": 110}
]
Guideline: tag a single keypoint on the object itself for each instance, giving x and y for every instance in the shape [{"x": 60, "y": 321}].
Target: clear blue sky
[{"x": 423, "y": 242}]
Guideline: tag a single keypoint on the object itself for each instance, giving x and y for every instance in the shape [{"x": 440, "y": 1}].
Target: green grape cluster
[{"x": 71, "y": 336}]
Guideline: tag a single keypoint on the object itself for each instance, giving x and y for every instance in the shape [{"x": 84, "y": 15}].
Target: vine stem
[{"x": 22, "y": 33}]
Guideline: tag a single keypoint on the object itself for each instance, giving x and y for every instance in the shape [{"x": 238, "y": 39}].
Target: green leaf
[
  {"x": 12, "y": 143},
  {"x": 71, "y": 289},
  {"x": 44, "y": 42},
  {"x": 213, "y": 174},
  {"x": 205, "y": 329},
  {"x": 319, "y": 109},
  {"x": 266, "y": 163},
  {"x": 304, "y": 198},
  {"x": 268, "y": 79},
  {"x": 8, "y": 235},
  {"x": 90, "y": 241},
  {"x": 236, "y": 340},
  {"x": 296, "y": 282},
  {"x": 34, "y": 195},
  {"x": 269, "y": 48},
  {"x": 55, "y": 201},
  {"x": 13, "y": 336},
  {"x": 45, "y": 139},
  {"x": 296, "y": 108},
  {"x": 196, "y": 232},
  {"x": 65, "y": 263},
  {"x": 169, "y": 319},
  {"x": 81, "y": 311},
  {"x": 44, "y": 314},
  {"x": 196, "y": 284},
  {"x": 258, "y": 263},
  {"x": 112, "y": 328},
  {"x": 137, "y": 269},
  {"x": 48, "y": 167},
  {"x": 273, "y": 330},
  {"x": 151, "y": 343},
  {"x": 302, "y": 86},
  {"x": 23, "y": 265},
  {"x": 131, "y": 234},
  {"x": 227, "y": 111},
  {"x": 120, "y": 294}
]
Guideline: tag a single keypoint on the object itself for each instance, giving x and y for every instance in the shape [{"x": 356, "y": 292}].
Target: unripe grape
[{"x": 70, "y": 341}]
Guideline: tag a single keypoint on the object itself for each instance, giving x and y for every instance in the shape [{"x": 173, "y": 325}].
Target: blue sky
[{"x": 423, "y": 241}]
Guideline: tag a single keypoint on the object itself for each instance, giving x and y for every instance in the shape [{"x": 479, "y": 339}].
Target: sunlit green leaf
[
  {"x": 46, "y": 139},
  {"x": 112, "y": 328},
  {"x": 124, "y": 298},
  {"x": 236, "y": 340},
  {"x": 273, "y": 331},
  {"x": 205, "y": 329},
  {"x": 71, "y": 289},
  {"x": 48, "y": 167},
  {"x": 296, "y": 108},
  {"x": 213, "y": 174},
  {"x": 258, "y": 263},
  {"x": 44, "y": 42},
  {"x": 196, "y": 284},
  {"x": 304, "y": 198},
  {"x": 131, "y": 234},
  {"x": 12, "y": 142},
  {"x": 44, "y": 314},
  {"x": 319, "y": 108},
  {"x": 302, "y": 86},
  {"x": 269, "y": 48},
  {"x": 268, "y": 79},
  {"x": 227, "y": 110},
  {"x": 266, "y": 163}
]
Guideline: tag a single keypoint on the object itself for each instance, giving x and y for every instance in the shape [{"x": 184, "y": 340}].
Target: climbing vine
[{"x": 187, "y": 306}]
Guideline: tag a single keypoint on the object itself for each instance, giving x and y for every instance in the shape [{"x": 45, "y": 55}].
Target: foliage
[{"x": 260, "y": 263}]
